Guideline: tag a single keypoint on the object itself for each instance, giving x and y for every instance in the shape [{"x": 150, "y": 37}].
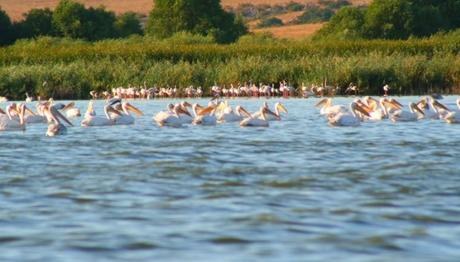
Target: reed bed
[{"x": 72, "y": 68}]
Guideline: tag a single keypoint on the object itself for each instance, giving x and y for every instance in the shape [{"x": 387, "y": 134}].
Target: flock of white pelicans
[
  {"x": 371, "y": 109},
  {"x": 118, "y": 112}
]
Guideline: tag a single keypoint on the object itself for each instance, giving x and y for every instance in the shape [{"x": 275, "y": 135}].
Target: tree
[
  {"x": 128, "y": 24},
  {"x": 6, "y": 32},
  {"x": 37, "y": 22},
  {"x": 205, "y": 17},
  {"x": 98, "y": 24},
  {"x": 346, "y": 24},
  {"x": 390, "y": 19},
  {"x": 68, "y": 18}
]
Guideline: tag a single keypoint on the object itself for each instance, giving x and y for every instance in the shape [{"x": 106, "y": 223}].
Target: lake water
[{"x": 298, "y": 190}]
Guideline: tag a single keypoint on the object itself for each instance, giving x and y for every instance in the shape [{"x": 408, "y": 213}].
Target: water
[{"x": 298, "y": 190}]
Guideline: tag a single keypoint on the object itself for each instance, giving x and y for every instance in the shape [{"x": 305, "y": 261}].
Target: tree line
[
  {"x": 393, "y": 19},
  {"x": 73, "y": 20}
]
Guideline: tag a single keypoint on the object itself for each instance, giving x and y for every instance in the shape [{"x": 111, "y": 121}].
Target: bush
[
  {"x": 314, "y": 14},
  {"x": 270, "y": 22}
]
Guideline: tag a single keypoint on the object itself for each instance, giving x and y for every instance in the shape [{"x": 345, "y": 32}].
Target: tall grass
[{"x": 71, "y": 69}]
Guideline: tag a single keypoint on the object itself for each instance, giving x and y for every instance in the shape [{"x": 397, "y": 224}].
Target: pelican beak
[
  {"x": 2, "y": 112},
  {"x": 187, "y": 104},
  {"x": 321, "y": 102},
  {"x": 63, "y": 117},
  {"x": 182, "y": 111},
  {"x": 282, "y": 108},
  {"x": 363, "y": 111},
  {"x": 112, "y": 110},
  {"x": 134, "y": 110},
  {"x": 29, "y": 111},
  {"x": 206, "y": 111},
  {"x": 69, "y": 106},
  {"x": 416, "y": 108},
  {"x": 396, "y": 103},
  {"x": 243, "y": 111},
  {"x": 437, "y": 104}
]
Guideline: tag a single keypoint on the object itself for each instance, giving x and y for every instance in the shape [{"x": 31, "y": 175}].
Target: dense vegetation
[
  {"x": 72, "y": 69},
  {"x": 72, "y": 54},
  {"x": 195, "y": 16},
  {"x": 394, "y": 19}
]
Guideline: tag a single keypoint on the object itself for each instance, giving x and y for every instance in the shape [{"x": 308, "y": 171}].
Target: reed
[{"x": 72, "y": 68}]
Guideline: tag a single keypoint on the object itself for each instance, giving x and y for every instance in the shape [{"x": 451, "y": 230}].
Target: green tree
[
  {"x": 390, "y": 19},
  {"x": 205, "y": 17},
  {"x": 346, "y": 24},
  {"x": 98, "y": 24},
  {"x": 37, "y": 22},
  {"x": 6, "y": 31},
  {"x": 128, "y": 24},
  {"x": 68, "y": 18}
]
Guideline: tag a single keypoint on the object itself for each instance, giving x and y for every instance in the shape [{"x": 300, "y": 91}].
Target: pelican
[
  {"x": 8, "y": 123},
  {"x": 204, "y": 116},
  {"x": 414, "y": 114},
  {"x": 91, "y": 119},
  {"x": 55, "y": 126},
  {"x": 351, "y": 118},
  {"x": 71, "y": 111},
  {"x": 228, "y": 115},
  {"x": 260, "y": 121},
  {"x": 29, "y": 98},
  {"x": 327, "y": 107},
  {"x": 453, "y": 117},
  {"x": 183, "y": 113},
  {"x": 124, "y": 108},
  {"x": 169, "y": 117},
  {"x": 432, "y": 108},
  {"x": 270, "y": 115}
]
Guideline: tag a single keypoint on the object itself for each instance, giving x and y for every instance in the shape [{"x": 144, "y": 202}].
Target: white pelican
[
  {"x": 8, "y": 123},
  {"x": 29, "y": 98},
  {"x": 414, "y": 114},
  {"x": 204, "y": 116},
  {"x": 327, "y": 107},
  {"x": 71, "y": 110},
  {"x": 351, "y": 118},
  {"x": 91, "y": 119},
  {"x": 55, "y": 126},
  {"x": 453, "y": 117},
  {"x": 169, "y": 117},
  {"x": 228, "y": 115},
  {"x": 269, "y": 114},
  {"x": 124, "y": 108},
  {"x": 432, "y": 108},
  {"x": 183, "y": 113},
  {"x": 260, "y": 121}
]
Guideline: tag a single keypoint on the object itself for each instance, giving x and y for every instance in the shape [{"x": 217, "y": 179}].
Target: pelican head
[
  {"x": 357, "y": 108},
  {"x": 415, "y": 109},
  {"x": 324, "y": 102}
]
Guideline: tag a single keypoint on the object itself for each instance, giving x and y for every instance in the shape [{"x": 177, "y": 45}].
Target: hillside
[{"x": 15, "y": 8}]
